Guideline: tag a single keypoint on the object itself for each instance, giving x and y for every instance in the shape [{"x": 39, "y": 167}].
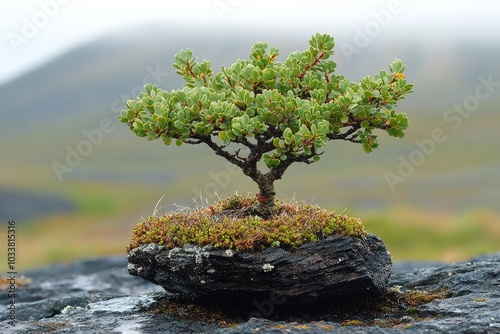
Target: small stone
[
  {"x": 198, "y": 259},
  {"x": 267, "y": 267},
  {"x": 406, "y": 319},
  {"x": 66, "y": 309}
]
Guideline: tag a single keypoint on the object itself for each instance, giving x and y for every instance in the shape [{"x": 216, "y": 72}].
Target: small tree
[{"x": 265, "y": 110}]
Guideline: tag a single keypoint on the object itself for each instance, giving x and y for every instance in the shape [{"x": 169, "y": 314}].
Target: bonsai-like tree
[{"x": 263, "y": 110}]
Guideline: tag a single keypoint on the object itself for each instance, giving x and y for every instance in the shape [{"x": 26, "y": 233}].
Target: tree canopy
[{"x": 262, "y": 109}]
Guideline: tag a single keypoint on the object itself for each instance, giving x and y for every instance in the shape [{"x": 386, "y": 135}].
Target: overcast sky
[{"x": 34, "y": 31}]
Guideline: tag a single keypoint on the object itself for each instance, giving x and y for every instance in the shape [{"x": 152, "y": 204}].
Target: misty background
[{"x": 69, "y": 67}]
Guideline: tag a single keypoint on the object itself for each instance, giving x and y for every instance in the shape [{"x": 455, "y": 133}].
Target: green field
[
  {"x": 103, "y": 226},
  {"x": 446, "y": 210}
]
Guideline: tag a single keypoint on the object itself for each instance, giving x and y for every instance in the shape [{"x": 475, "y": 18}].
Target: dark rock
[
  {"x": 334, "y": 269},
  {"x": 99, "y": 296},
  {"x": 90, "y": 296}
]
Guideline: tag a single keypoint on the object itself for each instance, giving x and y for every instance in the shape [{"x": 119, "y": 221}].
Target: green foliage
[
  {"x": 288, "y": 109},
  {"x": 230, "y": 224},
  {"x": 280, "y": 112}
]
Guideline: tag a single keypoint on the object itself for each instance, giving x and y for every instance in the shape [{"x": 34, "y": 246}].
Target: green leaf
[
  {"x": 271, "y": 161},
  {"x": 138, "y": 124},
  {"x": 162, "y": 122},
  {"x": 366, "y": 147},
  {"x": 181, "y": 115},
  {"x": 244, "y": 120},
  {"x": 223, "y": 136},
  {"x": 130, "y": 115},
  {"x": 178, "y": 124},
  {"x": 265, "y": 99},
  {"x": 287, "y": 133},
  {"x": 236, "y": 132},
  {"x": 396, "y": 66}
]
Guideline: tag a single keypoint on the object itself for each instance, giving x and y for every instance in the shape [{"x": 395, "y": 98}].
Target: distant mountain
[{"x": 90, "y": 79}]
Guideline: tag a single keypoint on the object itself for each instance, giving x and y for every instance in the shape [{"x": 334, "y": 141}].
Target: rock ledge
[
  {"x": 334, "y": 269},
  {"x": 99, "y": 296}
]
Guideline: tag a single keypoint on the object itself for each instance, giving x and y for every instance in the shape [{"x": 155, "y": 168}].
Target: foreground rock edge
[
  {"x": 334, "y": 269},
  {"x": 473, "y": 307}
]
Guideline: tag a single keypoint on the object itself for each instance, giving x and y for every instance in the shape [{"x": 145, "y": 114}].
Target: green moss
[
  {"x": 415, "y": 298},
  {"x": 21, "y": 281},
  {"x": 232, "y": 223},
  {"x": 394, "y": 309},
  {"x": 408, "y": 300},
  {"x": 353, "y": 323},
  {"x": 53, "y": 326},
  {"x": 412, "y": 310},
  {"x": 194, "y": 312}
]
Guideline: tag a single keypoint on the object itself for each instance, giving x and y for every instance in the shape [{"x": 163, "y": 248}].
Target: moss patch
[
  {"x": 395, "y": 309},
  {"x": 194, "y": 312},
  {"x": 5, "y": 282},
  {"x": 50, "y": 327},
  {"x": 232, "y": 223}
]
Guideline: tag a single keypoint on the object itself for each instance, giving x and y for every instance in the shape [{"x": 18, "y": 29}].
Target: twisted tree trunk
[{"x": 266, "y": 195}]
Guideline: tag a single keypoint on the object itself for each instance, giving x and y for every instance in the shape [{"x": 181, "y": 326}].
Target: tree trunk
[{"x": 266, "y": 195}]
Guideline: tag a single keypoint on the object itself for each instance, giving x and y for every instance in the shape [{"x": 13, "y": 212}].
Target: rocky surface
[
  {"x": 99, "y": 296},
  {"x": 334, "y": 269}
]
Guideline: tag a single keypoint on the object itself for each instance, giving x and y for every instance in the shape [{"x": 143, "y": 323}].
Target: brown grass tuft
[{"x": 231, "y": 223}]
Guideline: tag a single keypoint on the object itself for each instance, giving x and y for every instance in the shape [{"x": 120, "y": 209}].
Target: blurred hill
[
  {"x": 45, "y": 113},
  {"x": 47, "y": 109},
  {"x": 86, "y": 80}
]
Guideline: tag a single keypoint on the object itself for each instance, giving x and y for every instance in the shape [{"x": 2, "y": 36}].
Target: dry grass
[{"x": 232, "y": 224}]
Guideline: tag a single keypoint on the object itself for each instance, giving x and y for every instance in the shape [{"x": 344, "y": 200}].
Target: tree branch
[
  {"x": 219, "y": 150},
  {"x": 314, "y": 63},
  {"x": 193, "y": 141},
  {"x": 345, "y": 135}
]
